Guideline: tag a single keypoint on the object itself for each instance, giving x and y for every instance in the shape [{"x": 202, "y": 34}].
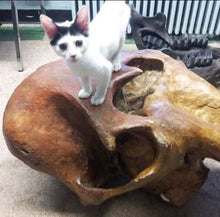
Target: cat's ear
[
  {"x": 82, "y": 19},
  {"x": 49, "y": 26}
]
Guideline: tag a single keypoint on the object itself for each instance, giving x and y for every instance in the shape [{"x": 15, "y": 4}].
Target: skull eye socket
[
  {"x": 63, "y": 46},
  {"x": 79, "y": 43}
]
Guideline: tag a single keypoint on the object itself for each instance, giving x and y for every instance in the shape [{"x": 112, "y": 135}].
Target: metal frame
[{"x": 17, "y": 36}]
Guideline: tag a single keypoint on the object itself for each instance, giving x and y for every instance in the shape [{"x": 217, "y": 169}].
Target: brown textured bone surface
[{"x": 157, "y": 124}]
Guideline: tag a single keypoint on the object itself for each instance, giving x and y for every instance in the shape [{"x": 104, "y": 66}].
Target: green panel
[{"x": 27, "y": 33}]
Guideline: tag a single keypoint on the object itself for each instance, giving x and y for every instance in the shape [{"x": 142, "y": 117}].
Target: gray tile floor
[{"x": 25, "y": 192}]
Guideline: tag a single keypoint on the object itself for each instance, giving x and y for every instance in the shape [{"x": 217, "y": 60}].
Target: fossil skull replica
[{"x": 157, "y": 124}]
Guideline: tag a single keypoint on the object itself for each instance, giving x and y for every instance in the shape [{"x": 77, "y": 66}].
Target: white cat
[{"x": 91, "y": 49}]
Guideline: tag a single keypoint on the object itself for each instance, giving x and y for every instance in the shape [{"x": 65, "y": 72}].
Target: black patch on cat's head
[
  {"x": 63, "y": 30},
  {"x": 75, "y": 30}
]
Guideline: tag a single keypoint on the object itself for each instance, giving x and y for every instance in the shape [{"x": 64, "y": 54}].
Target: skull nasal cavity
[
  {"x": 135, "y": 150},
  {"x": 147, "y": 64}
]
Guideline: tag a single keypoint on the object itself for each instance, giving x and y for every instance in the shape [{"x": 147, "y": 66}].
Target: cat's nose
[{"x": 73, "y": 57}]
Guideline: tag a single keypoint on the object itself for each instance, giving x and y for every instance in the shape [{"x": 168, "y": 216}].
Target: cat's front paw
[
  {"x": 97, "y": 100},
  {"x": 84, "y": 94},
  {"x": 117, "y": 67}
]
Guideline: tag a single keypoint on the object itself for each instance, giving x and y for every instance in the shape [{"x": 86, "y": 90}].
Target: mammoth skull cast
[{"x": 157, "y": 124}]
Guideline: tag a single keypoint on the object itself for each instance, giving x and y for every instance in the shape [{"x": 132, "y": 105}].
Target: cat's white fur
[{"x": 99, "y": 55}]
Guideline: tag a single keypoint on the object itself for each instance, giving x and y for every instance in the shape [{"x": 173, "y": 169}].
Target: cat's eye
[
  {"x": 79, "y": 43},
  {"x": 63, "y": 46}
]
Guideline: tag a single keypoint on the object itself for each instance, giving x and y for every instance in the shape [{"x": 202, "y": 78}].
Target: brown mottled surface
[{"x": 136, "y": 203}]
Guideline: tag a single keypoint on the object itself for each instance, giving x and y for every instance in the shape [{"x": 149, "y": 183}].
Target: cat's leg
[
  {"x": 103, "y": 83},
  {"x": 116, "y": 62},
  {"x": 86, "y": 91}
]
